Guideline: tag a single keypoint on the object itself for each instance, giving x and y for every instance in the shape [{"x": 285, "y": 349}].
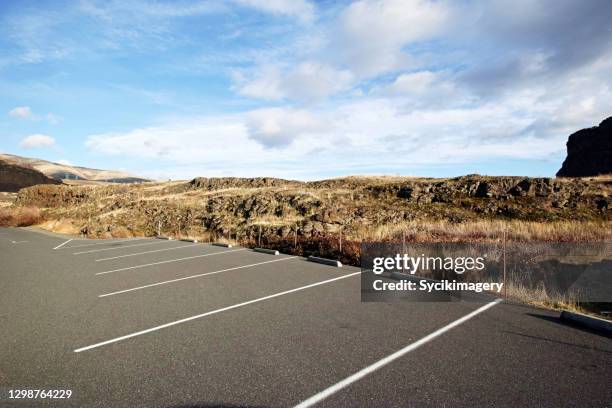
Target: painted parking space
[{"x": 217, "y": 330}]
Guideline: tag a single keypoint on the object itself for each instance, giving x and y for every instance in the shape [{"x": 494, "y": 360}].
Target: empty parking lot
[{"x": 154, "y": 323}]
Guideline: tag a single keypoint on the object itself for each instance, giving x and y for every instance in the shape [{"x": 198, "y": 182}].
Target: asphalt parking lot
[{"x": 155, "y": 323}]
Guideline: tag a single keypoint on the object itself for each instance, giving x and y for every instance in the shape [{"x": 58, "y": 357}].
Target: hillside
[
  {"x": 72, "y": 174},
  {"x": 273, "y": 210},
  {"x": 14, "y": 177}
]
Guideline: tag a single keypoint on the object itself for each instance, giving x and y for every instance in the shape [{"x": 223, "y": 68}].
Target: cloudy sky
[{"x": 303, "y": 89}]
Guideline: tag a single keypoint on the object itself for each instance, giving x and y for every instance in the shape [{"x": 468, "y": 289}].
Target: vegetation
[
  {"x": 19, "y": 216},
  {"x": 366, "y": 208},
  {"x": 332, "y": 217}
]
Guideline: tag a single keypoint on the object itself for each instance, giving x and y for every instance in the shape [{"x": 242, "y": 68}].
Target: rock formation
[{"x": 589, "y": 152}]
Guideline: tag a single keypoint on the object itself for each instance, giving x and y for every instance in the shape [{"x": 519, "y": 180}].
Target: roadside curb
[
  {"x": 163, "y": 237},
  {"x": 267, "y": 251},
  {"x": 591, "y": 322},
  {"x": 325, "y": 261},
  {"x": 222, "y": 244},
  {"x": 189, "y": 240},
  {"x": 405, "y": 276}
]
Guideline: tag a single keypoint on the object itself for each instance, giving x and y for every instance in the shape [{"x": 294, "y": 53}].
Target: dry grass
[
  {"x": 275, "y": 221},
  {"x": 61, "y": 226},
  {"x": 7, "y": 199},
  {"x": 487, "y": 230},
  {"x": 6, "y": 217},
  {"x": 538, "y": 297},
  {"x": 19, "y": 216},
  {"x": 121, "y": 232},
  {"x": 602, "y": 178}
]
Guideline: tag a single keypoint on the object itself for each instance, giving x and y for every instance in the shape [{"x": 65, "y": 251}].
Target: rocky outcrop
[
  {"x": 216, "y": 183},
  {"x": 248, "y": 208},
  {"x": 13, "y": 177},
  {"x": 589, "y": 152}
]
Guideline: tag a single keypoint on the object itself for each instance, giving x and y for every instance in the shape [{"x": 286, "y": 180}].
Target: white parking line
[
  {"x": 147, "y": 252},
  {"x": 107, "y": 241},
  {"x": 62, "y": 244},
  {"x": 170, "y": 260},
  {"x": 212, "y": 312},
  {"x": 19, "y": 242},
  {"x": 194, "y": 276},
  {"x": 119, "y": 247},
  {"x": 315, "y": 399}
]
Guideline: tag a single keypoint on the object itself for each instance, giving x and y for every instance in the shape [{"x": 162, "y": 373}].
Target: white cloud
[
  {"x": 213, "y": 146},
  {"x": 425, "y": 90},
  {"x": 301, "y": 9},
  {"x": 359, "y": 135},
  {"x": 265, "y": 85},
  {"x": 224, "y": 141},
  {"x": 372, "y": 33},
  {"x": 417, "y": 82},
  {"x": 185, "y": 141},
  {"x": 371, "y": 84},
  {"x": 65, "y": 162},
  {"x": 22, "y": 112},
  {"x": 314, "y": 81},
  {"x": 367, "y": 39},
  {"x": 37, "y": 141},
  {"x": 307, "y": 82},
  {"x": 279, "y": 127}
]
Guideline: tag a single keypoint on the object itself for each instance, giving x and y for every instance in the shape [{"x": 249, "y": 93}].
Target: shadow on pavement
[{"x": 557, "y": 320}]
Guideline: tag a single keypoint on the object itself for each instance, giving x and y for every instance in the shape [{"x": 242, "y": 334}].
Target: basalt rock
[
  {"x": 315, "y": 209},
  {"x": 589, "y": 152}
]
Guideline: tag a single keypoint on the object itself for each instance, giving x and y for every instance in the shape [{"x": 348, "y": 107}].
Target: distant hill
[
  {"x": 14, "y": 177},
  {"x": 72, "y": 174}
]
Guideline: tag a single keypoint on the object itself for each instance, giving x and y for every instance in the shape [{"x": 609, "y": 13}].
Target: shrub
[
  {"x": 26, "y": 216},
  {"x": 19, "y": 216},
  {"x": 6, "y": 217},
  {"x": 121, "y": 232}
]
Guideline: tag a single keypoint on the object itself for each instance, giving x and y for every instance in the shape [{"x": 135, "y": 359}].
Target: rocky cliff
[{"x": 589, "y": 152}]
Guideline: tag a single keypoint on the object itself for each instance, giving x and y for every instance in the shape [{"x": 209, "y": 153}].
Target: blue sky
[{"x": 301, "y": 89}]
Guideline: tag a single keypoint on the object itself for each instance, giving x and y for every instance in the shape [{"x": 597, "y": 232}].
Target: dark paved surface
[{"x": 276, "y": 352}]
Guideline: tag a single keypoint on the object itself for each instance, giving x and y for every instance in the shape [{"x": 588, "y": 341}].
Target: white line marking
[
  {"x": 61, "y": 245},
  {"x": 147, "y": 252},
  {"x": 19, "y": 242},
  {"x": 120, "y": 247},
  {"x": 193, "y": 276},
  {"x": 212, "y": 312},
  {"x": 315, "y": 399},
  {"x": 107, "y": 241},
  {"x": 170, "y": 260}
]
